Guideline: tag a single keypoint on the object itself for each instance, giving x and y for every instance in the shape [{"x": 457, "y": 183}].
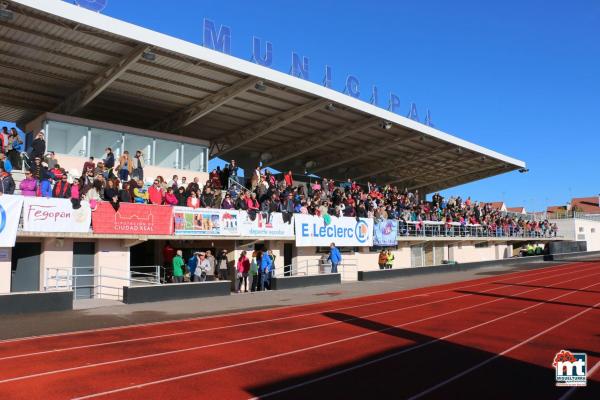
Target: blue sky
[{"x": 519, "y": 77}]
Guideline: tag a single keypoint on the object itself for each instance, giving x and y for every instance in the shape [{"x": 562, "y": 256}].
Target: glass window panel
[
  {"x": 167, "y": 153},
  {"x": 194, "y": 157},
  {"x": 134, "y": 143},
  {"x": 101, "y": 139},
  {"x": 67, "y": 139}
]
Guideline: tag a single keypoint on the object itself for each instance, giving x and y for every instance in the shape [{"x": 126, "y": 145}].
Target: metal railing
[
  {"x": 148, "y": 273},
  {"x": 235, "y": 183},
  {"x": 456, "y": 229},
  {"x": 90, "y": 282},
  {"x": 573, "y": 214},
  {"x": 317, "y": 266}
]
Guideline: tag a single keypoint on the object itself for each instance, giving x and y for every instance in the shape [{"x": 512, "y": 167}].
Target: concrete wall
[
  {"x": 150, "y": 172},
  {"x": 56, "y": 253},
  {"x": 5, "y": 269},
  {"x": 36, "y": 302},
  {"x": 580, "y": 229},
  {"x": 112, "y": 262}
]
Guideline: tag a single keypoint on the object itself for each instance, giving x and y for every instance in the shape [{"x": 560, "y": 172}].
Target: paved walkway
[{"x": 96, "y": 314}]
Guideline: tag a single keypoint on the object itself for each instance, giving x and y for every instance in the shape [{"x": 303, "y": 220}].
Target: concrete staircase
[{"x": 18, "y": 176}]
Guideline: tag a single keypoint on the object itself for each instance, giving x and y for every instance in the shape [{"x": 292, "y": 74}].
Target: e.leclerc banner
[
  {"x": 10, "y": 212},
  {"x": 265, "y": 225},
  {"x": 132, "y": 218},
  {"x": 386, "y": 232},
  {"x": 42, "y": 214},
  {"x": 344, "y": 231},
  {"x": 205, "y": 221}
]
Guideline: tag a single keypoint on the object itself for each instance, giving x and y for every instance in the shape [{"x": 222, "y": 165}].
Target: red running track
[{"x": 494, "y": 337}]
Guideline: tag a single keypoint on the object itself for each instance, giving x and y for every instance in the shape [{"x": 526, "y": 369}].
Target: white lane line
[
  {"x": 253, "y": 361},
  {"x": 590, "y": 373},
  {"x": 523, "y": 274},
  {"x": 489, "y": 360},
  {"x": 187, "y": 332},
  {"x": 408, "y": 349},
  {"x": 194, "y": 348}
]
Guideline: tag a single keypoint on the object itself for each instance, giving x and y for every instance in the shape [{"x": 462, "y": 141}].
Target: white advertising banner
[
  {"x": 47, "y": 214},
  {"x": 344, "y": 231},
  {"x": 205, "y": 221},
  {"x": 10, "y": 212},
  {"x": 265, "y": 225}
]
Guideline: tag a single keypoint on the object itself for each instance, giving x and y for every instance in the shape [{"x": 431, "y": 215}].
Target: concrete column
[
  {"x": 5, "y": 269},
  {"x": 56, "y": 253},
  {"x": 277, "y": 247},
  {"x": 112, "y": 258}
]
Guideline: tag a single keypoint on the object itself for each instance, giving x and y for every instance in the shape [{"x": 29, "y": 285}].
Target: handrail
[
  {"x": 456, "y": 229},
  {"x": 58, "y": 278},
  {"x": 235, "y": 182}
]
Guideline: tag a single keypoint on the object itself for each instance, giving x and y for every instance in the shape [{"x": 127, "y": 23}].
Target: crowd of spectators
[
  {"x": 122, "y": 180},
  {"x": 253, "y": 272}
]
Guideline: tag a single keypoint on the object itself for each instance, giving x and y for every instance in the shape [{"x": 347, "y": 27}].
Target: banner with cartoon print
[
  {"x": 205, "y": 221},
  {"x": 385, "y": 232}
]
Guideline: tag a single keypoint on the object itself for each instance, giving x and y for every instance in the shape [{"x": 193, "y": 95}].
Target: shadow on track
[{"x": 387, "y": 375}]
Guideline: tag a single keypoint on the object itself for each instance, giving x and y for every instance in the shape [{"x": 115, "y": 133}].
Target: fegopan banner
[
  {"x": 205, "y": 221},
  {"x": 385, "y": 232},
  {"x": 10, "y": 212},
  {"x": 131, "y": 218},
  {"x": 42, "y": 214},
  {"x": 265, "y": 225},
  {"x": 343, "y": 231}
]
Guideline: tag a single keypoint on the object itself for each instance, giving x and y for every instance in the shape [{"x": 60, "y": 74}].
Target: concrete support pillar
[
  {"x": 112, "y": 258},
  {"x": 56, "y": 253},
  {"x": 5, "y": 269}
]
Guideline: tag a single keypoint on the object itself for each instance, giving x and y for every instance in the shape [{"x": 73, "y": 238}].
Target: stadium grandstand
[{"x": 110, "y": 176}]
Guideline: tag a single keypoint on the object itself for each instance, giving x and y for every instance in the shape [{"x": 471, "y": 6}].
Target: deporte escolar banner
[{"x": 343, "y": 231}]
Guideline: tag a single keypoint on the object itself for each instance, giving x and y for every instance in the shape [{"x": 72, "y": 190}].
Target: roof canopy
[{"x": 58, "y": 57}]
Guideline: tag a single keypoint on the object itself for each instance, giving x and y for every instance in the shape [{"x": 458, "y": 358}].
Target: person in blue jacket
[
  {"x": 335, "y": 257},
  {"x": 266, "y": 266},
  {"x": 192, "y": 265}
]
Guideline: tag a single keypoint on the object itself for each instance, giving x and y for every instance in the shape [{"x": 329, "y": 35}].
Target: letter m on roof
[{"x": 220, "y": 41}]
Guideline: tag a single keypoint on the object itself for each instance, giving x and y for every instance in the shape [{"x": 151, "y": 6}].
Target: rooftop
[{"x": 62, "y": 58}]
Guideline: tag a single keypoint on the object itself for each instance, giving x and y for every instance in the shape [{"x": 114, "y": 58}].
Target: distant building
[
  {"x": 517, "y": 210},
  {"x": 586, "y": 205},
  {"x": 498, "y": 205}
]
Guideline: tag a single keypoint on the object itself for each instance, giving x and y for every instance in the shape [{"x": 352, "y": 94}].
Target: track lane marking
[
  {"x": 572, "y": 390},
  {"x": 61, "y": 349},
  {"x": 489, "y": 360},
  {"x": 194, "y": 348},
  {"x": 522, "y": 274},
  {"x": 203, "y": 372}
]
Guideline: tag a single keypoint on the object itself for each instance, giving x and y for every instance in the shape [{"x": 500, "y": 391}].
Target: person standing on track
[
  {"x": 335, "y": 257},
  {"x": 192, "y": 265},
  {"x": 222, "y": 265},
  {"x": 242, "y": 267},
  {"x": 202, "y": 268},
  {"x": 389, "y": 260},
  {"x": 178, "y": 267},
  {"x": 382, "y": 259},
  {"x": 254, "y": 272},
  {"x": 266, "y": 265}
]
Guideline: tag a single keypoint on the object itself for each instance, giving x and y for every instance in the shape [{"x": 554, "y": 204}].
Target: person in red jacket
[
  {"x": 289, "y": 180},
  {"x": 62, "y": 188},
  {"x": 156, "y": 194},
  {"x": 243, "y": 266},
  {"x": 170, "y": 197}
]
